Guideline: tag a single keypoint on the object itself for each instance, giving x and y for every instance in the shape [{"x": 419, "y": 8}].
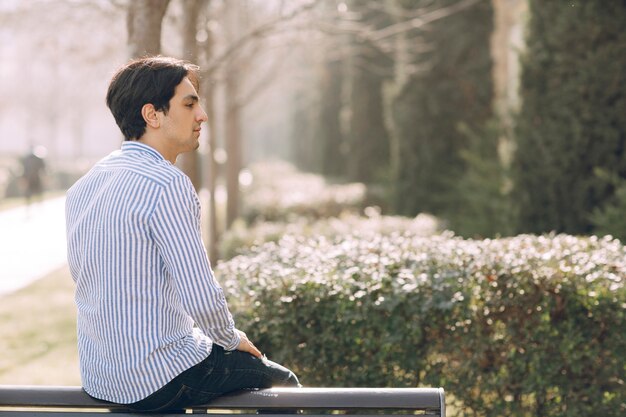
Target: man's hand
[{"x": 245, "y": 345}]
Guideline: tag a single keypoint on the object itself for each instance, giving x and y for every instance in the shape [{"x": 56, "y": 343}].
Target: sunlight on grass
[{"x": 37, "y": 324}]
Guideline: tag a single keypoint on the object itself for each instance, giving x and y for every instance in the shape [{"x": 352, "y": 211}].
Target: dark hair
[{"x": 142, "y": 81}]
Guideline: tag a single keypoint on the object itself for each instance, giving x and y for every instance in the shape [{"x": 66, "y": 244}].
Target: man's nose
[{"x": 202, "y": 116}]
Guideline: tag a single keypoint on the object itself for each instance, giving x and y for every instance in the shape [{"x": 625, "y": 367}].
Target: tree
[
  {"x": 435, "y": 91},
  {"x": 189, "y": 162},
  {"x": 246, "y": 26},
  {"x": 143, "y": 21},
  {"x": 328, "y": 126},
  {"x": 370, "y": 66},
  {"x": 208, "y": 92},
  {"x": 609, "y": 218},
  {"x": 571, "y": 124},
  {"x": 484, "y": 191},
  {"x": 232, "y": 128}
]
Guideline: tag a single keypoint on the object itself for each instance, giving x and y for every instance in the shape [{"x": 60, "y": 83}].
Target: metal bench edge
[{"x": 275, "y": 398}]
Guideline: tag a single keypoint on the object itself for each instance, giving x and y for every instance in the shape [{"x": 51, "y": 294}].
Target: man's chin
[
  {"x": 194, "y": 144},
  {"x": 192, "y": 147}
]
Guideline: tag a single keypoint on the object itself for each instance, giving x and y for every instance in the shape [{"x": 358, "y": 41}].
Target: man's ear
[{"x": 150, "y": 115}]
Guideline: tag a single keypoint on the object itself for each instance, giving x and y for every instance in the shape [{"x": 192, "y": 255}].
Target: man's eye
[{"x": 190, "y": 105}]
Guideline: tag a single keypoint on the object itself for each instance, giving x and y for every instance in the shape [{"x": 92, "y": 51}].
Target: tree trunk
[
  {"x": 144, "y": 26},
  {"x": 232, "y": 130},
  {"x": 368, "y": 139},
  {"x": 506, "y": 44},
  {"x": 214, "y": 232},
  {"x": 233, "y": 147},
  {"x": 209, "y": 93},
  {"x": 331, "y": 140},
  {"x": 189, "y": 162}
]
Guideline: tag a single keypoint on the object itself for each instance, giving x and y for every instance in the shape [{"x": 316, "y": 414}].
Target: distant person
[
  {"x": 33, "y": 168},
  {"x": 154, "y": 328}
]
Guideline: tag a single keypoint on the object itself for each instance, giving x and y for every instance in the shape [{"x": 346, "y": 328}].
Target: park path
[{"x": 32, "y": 243}]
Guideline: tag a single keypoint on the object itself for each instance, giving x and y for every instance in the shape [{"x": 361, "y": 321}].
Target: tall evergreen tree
[
  {"x": 485, "y": 206},
  {"x": 446, "y": 86},
  {"x": 573, "y": 117}
]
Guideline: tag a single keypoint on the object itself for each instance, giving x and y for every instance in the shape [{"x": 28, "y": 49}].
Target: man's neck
[{"x": 157, "y": 144}]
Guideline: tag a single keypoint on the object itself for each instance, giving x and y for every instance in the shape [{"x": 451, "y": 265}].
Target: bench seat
[{"x": 52, "y": 401}]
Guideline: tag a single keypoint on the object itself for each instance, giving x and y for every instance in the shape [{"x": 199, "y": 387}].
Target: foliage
[
  {"x": 280, "y": 193},
  {"x": 610, "y": 219},
  {"x": 448, "y": 85},
  {"x": 239, "y": 239},
  {"x": 485, "y": 208},
  {"x": 519, "y": 326},
  {"x": 572, "y": 121}
]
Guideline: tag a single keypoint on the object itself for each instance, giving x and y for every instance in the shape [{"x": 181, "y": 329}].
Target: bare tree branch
[
  {"x": 421, "y": 21},
  {"x": 259, "y": 31},
  {"x": 263, "y": 82}
]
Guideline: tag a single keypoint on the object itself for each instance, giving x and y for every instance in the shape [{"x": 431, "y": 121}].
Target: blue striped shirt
[{"x": 148, "y": 305}]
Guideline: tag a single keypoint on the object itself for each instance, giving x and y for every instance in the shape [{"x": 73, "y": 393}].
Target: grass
[{"x": 37, "y": 324}]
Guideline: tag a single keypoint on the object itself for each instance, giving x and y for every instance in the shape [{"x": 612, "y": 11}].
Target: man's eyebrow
[{"x": 191, "y": 97}]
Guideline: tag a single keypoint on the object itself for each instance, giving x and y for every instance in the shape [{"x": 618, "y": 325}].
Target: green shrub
[
  {"x": 240, "y": 238},
  {"x": 281, "y": 193},
  {"x": 610, "y": 219},
  {"x": 485, "y": 208},
  {"x": 520, "y": 326}
]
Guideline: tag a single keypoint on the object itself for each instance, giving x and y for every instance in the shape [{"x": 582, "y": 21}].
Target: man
[
  {"x": 154, "y": 329},
  {"x": 33, "y": 168}
]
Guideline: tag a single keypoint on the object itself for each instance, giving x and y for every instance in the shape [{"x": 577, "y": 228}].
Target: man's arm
[{"x": 176, "y": 228}]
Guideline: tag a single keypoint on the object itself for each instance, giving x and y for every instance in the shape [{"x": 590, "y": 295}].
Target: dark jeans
[{"x": 222, "y": 372}]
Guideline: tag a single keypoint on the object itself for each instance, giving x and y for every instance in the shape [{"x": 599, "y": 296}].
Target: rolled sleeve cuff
[{"x": 234, "y": 342}]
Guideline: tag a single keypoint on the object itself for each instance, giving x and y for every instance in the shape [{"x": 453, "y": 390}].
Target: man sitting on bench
[{"x": 154, "y": 328}]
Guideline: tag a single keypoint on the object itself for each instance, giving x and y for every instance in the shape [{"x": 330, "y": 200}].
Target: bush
[
  {"x": 240, "y": 238},
  {"x": 610, "y": 219},
  {"x": 520, "y": 326},
  {"x": 485, "y": 208},
  {"x": 281, "y": 193}
]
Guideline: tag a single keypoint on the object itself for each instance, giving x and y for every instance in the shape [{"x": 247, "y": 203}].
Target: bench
[{"x": 45, "y": 401}]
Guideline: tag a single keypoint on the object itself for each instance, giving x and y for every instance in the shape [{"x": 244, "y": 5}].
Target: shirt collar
[{"x": 134, "y": 146}]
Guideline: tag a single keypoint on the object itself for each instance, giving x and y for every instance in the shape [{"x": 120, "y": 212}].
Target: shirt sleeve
[{"x": 175, "y": 225}]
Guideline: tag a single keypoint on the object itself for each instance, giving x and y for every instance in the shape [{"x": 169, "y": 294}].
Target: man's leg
[
  {"x": 227, "y": 371},
  {"x": 220, "y": 373}
]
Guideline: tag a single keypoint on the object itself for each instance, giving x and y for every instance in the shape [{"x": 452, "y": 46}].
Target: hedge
[
  {"x": 530, "y": 325},
  {"x": 239, "y": 238},
  {"x": 279, "y": 192}
]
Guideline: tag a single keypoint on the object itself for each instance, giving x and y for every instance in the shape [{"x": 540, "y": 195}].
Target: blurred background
[
  {"x": 471, "y": 121},
  {"x": 497, "y": 117}
]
